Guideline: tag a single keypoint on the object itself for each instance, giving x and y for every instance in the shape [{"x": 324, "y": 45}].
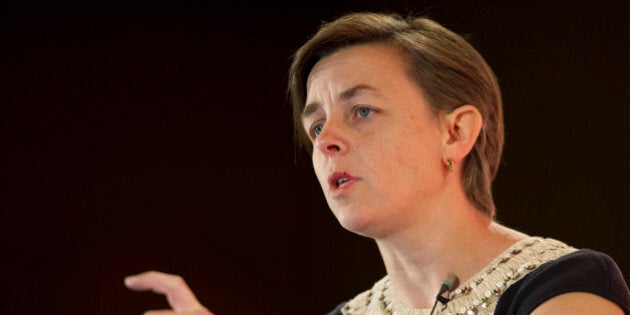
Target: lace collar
[{"x": 477, "y": 295}]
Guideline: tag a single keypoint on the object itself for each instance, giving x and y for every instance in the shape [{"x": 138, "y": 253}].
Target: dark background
[{"x": 142, "y": 137}]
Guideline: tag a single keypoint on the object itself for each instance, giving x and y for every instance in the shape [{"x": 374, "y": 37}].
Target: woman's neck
[{"x": 461, "y": 241}]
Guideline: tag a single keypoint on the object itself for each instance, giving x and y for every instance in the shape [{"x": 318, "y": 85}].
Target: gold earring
[{"x": 450, "y": 164}]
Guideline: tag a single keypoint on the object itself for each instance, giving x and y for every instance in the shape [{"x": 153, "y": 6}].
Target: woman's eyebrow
[
  {"x": 349, "y": 93},
  {"x": 310, "y": 108}
]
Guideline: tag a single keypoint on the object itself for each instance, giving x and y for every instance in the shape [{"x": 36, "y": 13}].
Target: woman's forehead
[{"x": 366, "y": 65}]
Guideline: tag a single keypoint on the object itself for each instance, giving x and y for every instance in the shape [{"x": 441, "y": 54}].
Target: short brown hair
[{"x": 448, "y": 70}]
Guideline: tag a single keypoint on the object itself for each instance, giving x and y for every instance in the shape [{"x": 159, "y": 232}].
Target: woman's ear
[{"x": 460, "y": 129}]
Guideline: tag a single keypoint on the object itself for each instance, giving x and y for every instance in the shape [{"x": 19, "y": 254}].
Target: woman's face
[{"x": 376, "y": 144}]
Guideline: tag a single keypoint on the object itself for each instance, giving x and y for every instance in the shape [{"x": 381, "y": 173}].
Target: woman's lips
[{"x": 340, "y": 183}]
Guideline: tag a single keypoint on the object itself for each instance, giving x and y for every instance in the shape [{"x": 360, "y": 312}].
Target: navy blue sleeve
[{"x": 582, "y": 271}]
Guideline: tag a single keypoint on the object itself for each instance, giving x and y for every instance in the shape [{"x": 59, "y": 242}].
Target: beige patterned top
[{"x": 477, "y": 295}]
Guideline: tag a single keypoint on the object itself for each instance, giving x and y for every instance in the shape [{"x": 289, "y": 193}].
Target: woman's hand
[{"x": 178, "y": 294}]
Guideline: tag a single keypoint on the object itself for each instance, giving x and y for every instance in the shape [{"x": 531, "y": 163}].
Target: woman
[{"x": 404, "y": 122}]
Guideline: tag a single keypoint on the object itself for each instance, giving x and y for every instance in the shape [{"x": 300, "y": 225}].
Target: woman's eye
[
  {"x": 317, "y": 129},
  {"x": 364, "y": 112}
]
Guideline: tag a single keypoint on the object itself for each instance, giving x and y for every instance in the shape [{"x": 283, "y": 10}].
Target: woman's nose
[{"x": 331, "y": 141}]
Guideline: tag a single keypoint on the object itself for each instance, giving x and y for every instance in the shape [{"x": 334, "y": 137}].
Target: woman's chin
[{"x": 357, "y": 223}]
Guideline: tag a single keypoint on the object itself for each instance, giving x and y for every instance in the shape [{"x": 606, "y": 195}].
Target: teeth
[{"x": 341, "y": 181}]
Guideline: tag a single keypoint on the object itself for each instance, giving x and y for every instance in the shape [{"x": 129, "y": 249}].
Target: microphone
[{"x": 448, "y": 284}]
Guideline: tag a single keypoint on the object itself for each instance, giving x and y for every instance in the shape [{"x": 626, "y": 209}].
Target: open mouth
[
  {"x": 341, "y": 181},
  {"x": 338, "y": 180}
]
